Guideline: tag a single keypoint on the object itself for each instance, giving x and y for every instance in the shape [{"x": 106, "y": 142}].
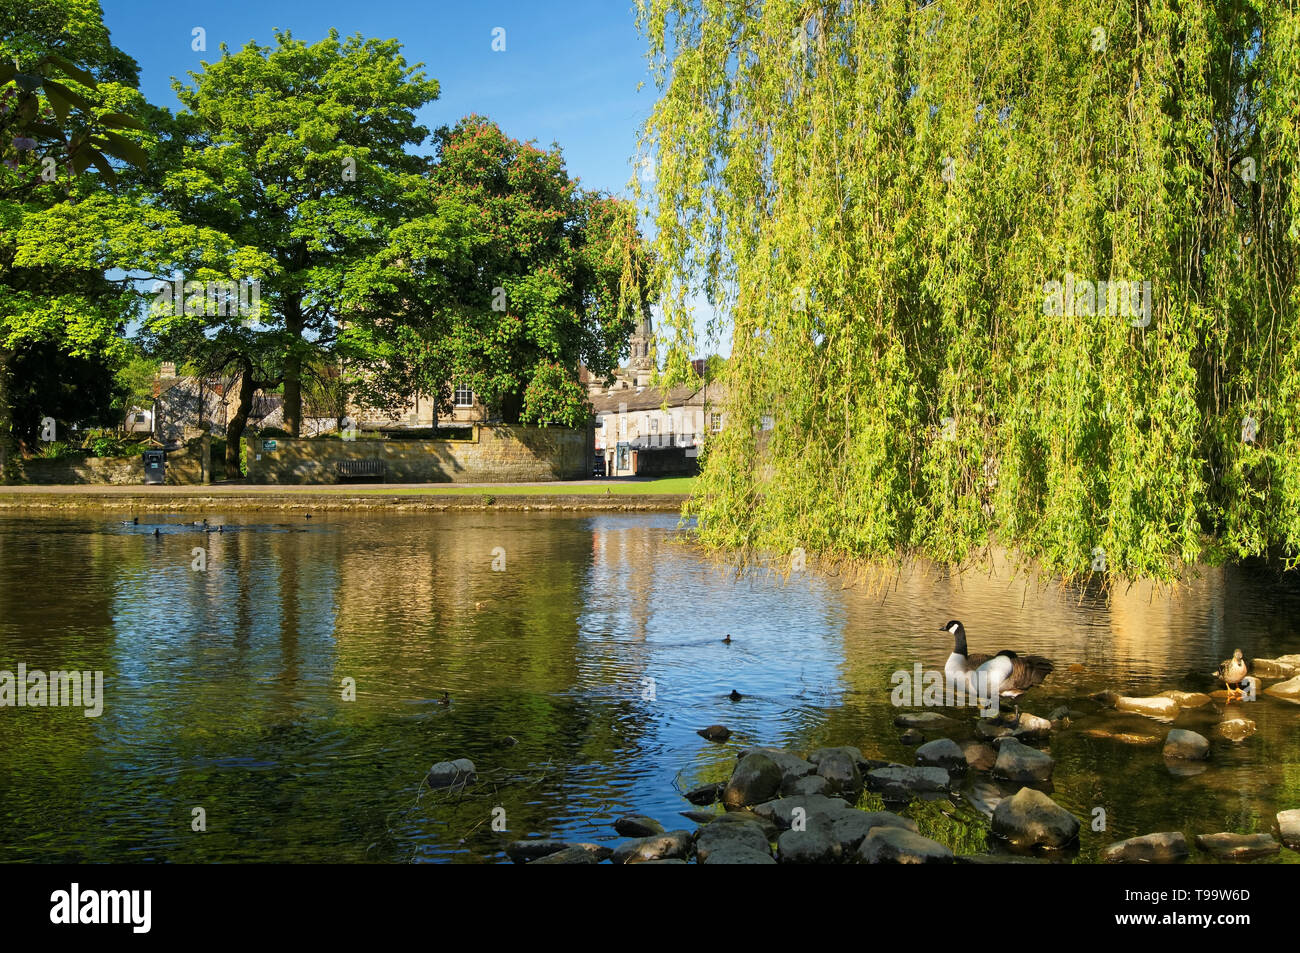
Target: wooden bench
[{"x": 370, "y": 467}]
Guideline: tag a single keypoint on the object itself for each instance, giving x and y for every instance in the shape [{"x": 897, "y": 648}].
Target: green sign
[{"x": 268, "y": 444}]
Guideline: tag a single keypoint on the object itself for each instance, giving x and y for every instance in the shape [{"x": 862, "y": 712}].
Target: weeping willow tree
[{"x": 904, "y": 213}]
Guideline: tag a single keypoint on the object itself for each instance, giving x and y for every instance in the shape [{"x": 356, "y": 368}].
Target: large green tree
[
  {"x": 65, "y": 96},
  {"x": 903, "y": 209},
  {"x": 515, "y": 279},
  {"x": 299, "y": 155}
]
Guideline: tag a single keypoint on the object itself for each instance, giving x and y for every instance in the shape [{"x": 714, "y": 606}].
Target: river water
[{"x": 580, "y": 655}]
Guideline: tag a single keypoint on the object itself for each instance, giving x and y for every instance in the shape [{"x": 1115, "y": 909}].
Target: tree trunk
[
  {"x": 8, "y": 445},
  {"x": 293, "y": 369},
  {"x": 235, "y": 428}
]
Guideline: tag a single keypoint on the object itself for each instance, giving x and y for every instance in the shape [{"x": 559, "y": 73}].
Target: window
[
  {"x": 464, "y": 395},
  {"x": 715, "y": 423},
  {"x": 139, "y": 418}
]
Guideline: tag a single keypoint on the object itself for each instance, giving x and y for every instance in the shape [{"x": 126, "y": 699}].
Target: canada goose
[
  {"x": 1005, "y": 673},
  {"x": 1233, "y": 671},
  {"x": 735, "y": 696}
]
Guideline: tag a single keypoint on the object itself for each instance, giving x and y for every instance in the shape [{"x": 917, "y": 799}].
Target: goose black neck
[{"x": 959, "y": 641}]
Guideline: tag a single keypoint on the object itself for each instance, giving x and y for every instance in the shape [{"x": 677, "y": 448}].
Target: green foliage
[
  {"x": 877, "y": 196},
  {"x": 553, "y": 396},
  {"x": 516, "y": 271}
]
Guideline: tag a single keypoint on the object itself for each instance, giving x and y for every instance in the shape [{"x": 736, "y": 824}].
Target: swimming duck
[
  {"x": 717, "y": 733},
  {"x": 157, "y": 531},
  {"x": 445, "y": 699},
  {"x": 735, "y": 696},
  {"x": 728, "y": 638},
  {"x": 132, "y": 522},
  {"x": 1007, "y": 673},
  {"x": 1233, "y": 671}
]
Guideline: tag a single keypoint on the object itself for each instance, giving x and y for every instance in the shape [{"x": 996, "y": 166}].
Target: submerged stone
[
  {"x": 1167, "y": 847},
  {"x": 1228, "y": 846}
]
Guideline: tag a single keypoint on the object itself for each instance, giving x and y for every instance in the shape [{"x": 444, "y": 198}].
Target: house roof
[{"x": 652, "y": 398}]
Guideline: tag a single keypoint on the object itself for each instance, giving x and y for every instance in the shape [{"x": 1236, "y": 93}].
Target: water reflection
[{"x": 578, "y": 670}]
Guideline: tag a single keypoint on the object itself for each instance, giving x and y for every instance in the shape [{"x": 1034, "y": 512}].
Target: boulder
[
  {"x": 897, "y": 845},
  {"x": 1238, "y": 846},
  {"x": 987, "y": 730},
  {"x": 923, "y": 720},
  {"x": 570, "y": 855},
  {"x": 1184, "y": 745},
  {"x": 792, "y": 766},
  {"x": 941, "y": 753},
  {"x": 524, "y": 851},
  {"x": 1289, "y": 690},
  {"x": 781, "y": 811},
  {"x": 1167, "y": 847},
  {"x": 1188, "y": 699},
  {"x": 452, "y": 774},
  {"x": 747, "y": 835},
  {"x": 813, "y": 784},
  {"x": 638, "y": 825},
  {"x": 718, "y": 733},
  {"x": 1031, "y": 726},
  {"x": 739, "y": 855},
  {"x": 659, "y": 847},
  {"x": 899, "y": 783},
  {"x": 847, "y": 829},
  {"x": 1156, "y": 706},
  {"x": 1032, "y": 819},
  {"x": 757, "y": 778},
  {"x": 812, "y": 845},
  {"x": 979, "y": 756},
  {"x": 1276, "y": 667},
  {"x": 1019, "y": 762},
  {"x": 911, "y": 737},
  {"x": 1288, "y": 823},
  {"x": 840, "y": 770},
  {"x": 699, "y": 817},
  {"x": 1236, "y": 727},
  {"x": 706, "y": 794},
  {"x": 765, "y": 824}
]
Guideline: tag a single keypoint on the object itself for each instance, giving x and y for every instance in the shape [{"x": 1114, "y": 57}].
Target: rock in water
[
  {"x": 1157, "y": 706},
  {"x": 722, "y": 836},
  {"x": 705, "y": 794},
  {"x": 900, "y": 783},
  {"x": 1019, "y": 762},
  {"x": 979, "y": 756},
  {"x": 911, "y": 737},
  {"x": 638, "y": 825},
  {"x": 674, "y": 844},
  {"x": 897, "y": 845},
  {"x": 1183, "y": 745},
  {"x": 717, "y": 733},
  {"x": 781, "y": 811},
  {"x": 1236, "y": 728},
  {"x": 941, "y": 753},
  {"x": 1290, "y": 689},
  {"x": 757, "y": 778},
  {"x": 1238, "y": 846},
  {"x": 1168, "y": 847},
  {"x": 792, "y": 766},
  {"x": 570, "y": 855},
  {"x": 523, "y": 851},
  {"x": 813, "y": 784},
  {"x": 808, "y": 846},
  {"x": 1288, "y": 823},
  {"x": 841, "y": 773},
  {"x": 739, "y": 855},
  {"x": 1032, "y": 819},
  {"x": 1032, "y": 726},
  {"x": 849, "y": 828},
  {"x": 452, "y": 774},
  {"x": 922, "y": 719}
]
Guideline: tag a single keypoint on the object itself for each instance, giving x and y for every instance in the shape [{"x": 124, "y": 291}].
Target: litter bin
[{"x": 155, "y": 466}]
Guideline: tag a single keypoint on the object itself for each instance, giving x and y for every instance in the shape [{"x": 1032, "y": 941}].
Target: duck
[
  {"x": 1007, "y": 672},
  {"x": 718, "y": 733},
  {"x": 1233, "y": 671},
  {"x": 157, "y": 531},
  {"x": 203, "y": 522},
  {"x": 131, "y": 522},
  {"x": 727, "y": 640},
  {"x": 735, "y": 696},
  {"x": 445, "y": 699}
]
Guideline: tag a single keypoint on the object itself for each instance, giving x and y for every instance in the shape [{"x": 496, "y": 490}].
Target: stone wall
[
  {"x": 497, "y": 453},
  {"x": 183, "y": 468}
]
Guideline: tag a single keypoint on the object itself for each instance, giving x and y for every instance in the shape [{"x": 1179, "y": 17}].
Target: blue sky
[{"x": 569, "y": 72}]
